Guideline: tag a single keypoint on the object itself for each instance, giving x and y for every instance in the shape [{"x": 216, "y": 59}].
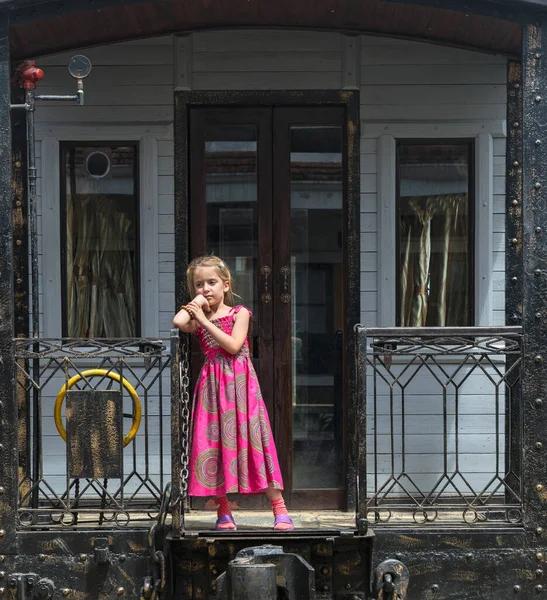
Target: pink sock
[
  {"x": 224, "y": 509},
  {"x": 279, "y": 508}
]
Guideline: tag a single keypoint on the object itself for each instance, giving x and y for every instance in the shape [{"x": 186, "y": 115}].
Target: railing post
[
  {"x": 176, "y": 442},
  {"x": 8, "y": 406},
  {"x": 361, "y": 426}
]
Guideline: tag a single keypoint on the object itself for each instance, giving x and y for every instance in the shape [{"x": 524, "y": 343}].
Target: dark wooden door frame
[{"x": 184, "y": 102}]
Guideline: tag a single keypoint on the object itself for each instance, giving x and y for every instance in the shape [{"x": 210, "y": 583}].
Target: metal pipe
[
  {"x": 54, "y": 97},
  {"x": 33, "y": 218},
  {"x": 31, "y": 151}
]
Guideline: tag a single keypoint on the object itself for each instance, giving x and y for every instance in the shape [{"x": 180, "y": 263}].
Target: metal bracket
[
  {"x": 25, "y": 586},
  {"x": 101, "y": 552},
  {"x": 391, "y": 577},
  {"x": 361, "y": 524}
]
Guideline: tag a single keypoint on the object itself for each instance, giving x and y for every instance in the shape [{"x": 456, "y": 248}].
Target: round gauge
[{"x": 79, "y": 66}]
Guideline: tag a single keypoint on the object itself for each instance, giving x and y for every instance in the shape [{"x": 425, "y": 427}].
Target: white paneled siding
[{"x": 407, "y": 89}]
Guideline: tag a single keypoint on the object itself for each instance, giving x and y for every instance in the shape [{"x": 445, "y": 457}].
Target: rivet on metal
[
  {"x": 18, "y": 242},
  {"x": 348, "y": 586},
  {"x": 2, "y": 574},
  {"x": 539, "y": 487},
  {"x": 516, "y": 589},
  {"x": 538, "y": 358},
  {"x": 539, "y": 588},
  {"x": 2, "y": 590},
  {"x": 514, "y": 241},
  {"x": 17, "y": 164},
  {"x": 516, "y": 124},
  {"x": 2, "y": 490},
  {"x": 120, "y": 591},
  {"x": 537, "y": 98},
  {"x": 65, "y": 591},
  {"x": 516, "y": 86},
  {"x": 83, "y": 557},
  {"x": 539, "y": 401},
  {"x": 2, "y": 533},
  {"x": 537, "y": 185},
  {"x": 539, "y": 572},
  {"x": 19, "y": 281},
  {"x": 538, "y": 142},
  {"x": 538, "y": 315},
  {"x": 538, "y": 230},
  {"x": 539, "y": 531},
  {"x": 42, "y": 557},
  {"x": 539, "y": 445},
  {"x": 515, "y": 202},
  {"x": 516, "y": 163},
  {"x": 539, "y": 556},
  {"x": 18, "y": 203},
  {"x": 537, "y": 55},
  {"x": 514, "y": 279},
  {"x": 434, "y": 588}
]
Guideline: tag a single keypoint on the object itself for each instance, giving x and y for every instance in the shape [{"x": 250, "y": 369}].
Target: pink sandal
[
  {"x": 285, "y": 519},
  {"x": 225, "y": 519}
]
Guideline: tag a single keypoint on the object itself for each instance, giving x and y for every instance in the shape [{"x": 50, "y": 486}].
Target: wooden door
[{"x": 267, "y": 194}]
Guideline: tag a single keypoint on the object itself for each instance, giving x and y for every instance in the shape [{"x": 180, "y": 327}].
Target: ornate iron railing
[
  {"x": 94, "y": 428},
  {"x": 440, "y": 425}
]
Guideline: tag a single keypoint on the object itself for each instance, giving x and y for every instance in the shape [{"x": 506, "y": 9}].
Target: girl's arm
[
  {"x": 183, "y": 320},
  {"x": 231, "y": 343}
]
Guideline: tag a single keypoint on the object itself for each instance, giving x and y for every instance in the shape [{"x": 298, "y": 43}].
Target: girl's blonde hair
[{"x": 210, "y": 260}]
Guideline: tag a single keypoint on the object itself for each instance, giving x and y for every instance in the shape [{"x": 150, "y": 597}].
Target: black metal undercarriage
[{"x": 91, "y": 539}]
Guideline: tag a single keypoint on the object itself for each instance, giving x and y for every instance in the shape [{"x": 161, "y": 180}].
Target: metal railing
[
  {"x": 94, "y": 419},
  {"x": 440, "y": 425}
]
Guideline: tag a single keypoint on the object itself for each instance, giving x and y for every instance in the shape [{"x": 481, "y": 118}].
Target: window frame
[
  {"x": 67, "y": 146},
  {"x": 148, "y": 136},
  {"x": 385, "y": 135},
  {"x": 464, "y": 142}
]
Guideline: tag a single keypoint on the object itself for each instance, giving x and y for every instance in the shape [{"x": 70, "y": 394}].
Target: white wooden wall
[{"x": 407, "y": 89}]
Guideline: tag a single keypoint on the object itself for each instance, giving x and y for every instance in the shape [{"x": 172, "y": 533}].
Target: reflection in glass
[
  {"x": 101, "y": 250},
  {"x": 435, "y": 244},
  {"x": 317, "y": 305},
  {"x": 231, "y": 196}
]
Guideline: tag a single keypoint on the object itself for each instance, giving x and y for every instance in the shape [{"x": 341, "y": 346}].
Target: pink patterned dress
[{"x": 232, "y": 444}]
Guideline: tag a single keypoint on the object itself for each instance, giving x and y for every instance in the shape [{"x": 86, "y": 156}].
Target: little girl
[{"x": 232, "y": 448}]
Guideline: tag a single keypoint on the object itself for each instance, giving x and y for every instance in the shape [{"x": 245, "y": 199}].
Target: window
[
  {"x": 99, "y": 240},
  {"x": 435, "y": 233}
]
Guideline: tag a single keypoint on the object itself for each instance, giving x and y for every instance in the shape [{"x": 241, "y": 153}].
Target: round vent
[{"x": 97, "y": 164}]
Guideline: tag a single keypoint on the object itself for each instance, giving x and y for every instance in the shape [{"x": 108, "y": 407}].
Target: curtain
[
  {"x": 101, "y": 298},
  {"x": 434, "y": 261}
]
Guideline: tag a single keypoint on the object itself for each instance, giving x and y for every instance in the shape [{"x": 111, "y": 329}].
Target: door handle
[
  {"x": 266, "y": 297},
  {"x": 285, "y": 295}
]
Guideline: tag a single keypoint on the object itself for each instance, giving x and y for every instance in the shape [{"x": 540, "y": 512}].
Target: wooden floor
[{"x": 197, "y": 520}]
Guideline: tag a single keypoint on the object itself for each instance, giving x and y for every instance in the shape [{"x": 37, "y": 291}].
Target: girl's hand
[
  {"x": 197, "y": 310},
  {"x": 202, "y": 301}
]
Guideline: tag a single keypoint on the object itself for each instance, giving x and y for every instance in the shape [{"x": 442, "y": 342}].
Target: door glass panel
[
  {"x": 231, "y": 197},
  {"x": 317, "y": 306}
]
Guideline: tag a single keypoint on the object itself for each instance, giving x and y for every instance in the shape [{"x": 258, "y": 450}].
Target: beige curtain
[
  {"x": 434, "y": 291},
  {"x": 101, "y": 295}
]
